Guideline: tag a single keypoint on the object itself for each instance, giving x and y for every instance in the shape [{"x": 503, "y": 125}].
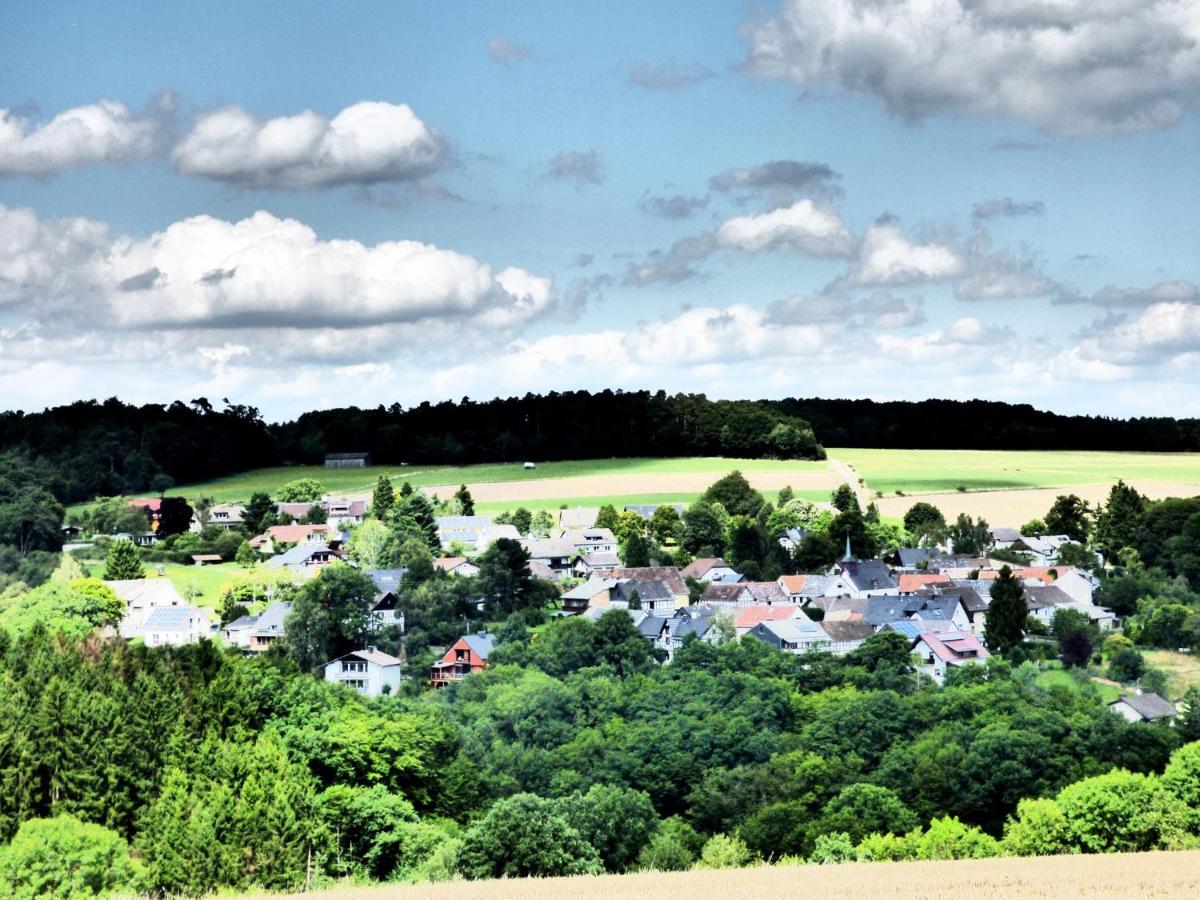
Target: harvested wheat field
[{"x": 1125, "y": 875}]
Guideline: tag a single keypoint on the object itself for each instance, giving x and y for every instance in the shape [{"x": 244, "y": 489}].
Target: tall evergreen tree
[
  {"x": 1004, "y": 624},
  {"x": 463, "y": 496},
  {"x": 122, "y": 562},
  {"x": 1119, "y": 520},
  {"x": 260, "y": 513},
  {"x": 383, "y": 498}
]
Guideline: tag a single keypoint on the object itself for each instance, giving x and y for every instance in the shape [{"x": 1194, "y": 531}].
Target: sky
[{"x": 303, "y": 205}]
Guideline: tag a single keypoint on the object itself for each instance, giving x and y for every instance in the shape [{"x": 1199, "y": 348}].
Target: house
[
  {"x": 142, "y": 596},
  {"x": 227, "y": 515},
  {"x": 306, "y": 559},
  {"x": 668, "y": 574},
  {"x": 866, "y": 577},
  {"x": 591, "y": 594},
  {"x": 237, "y": 633},
  {"x": 646, "y": 511},
  {"x": 793, "y": 586},
  {"x": 768, "y": 592},
  {"x": 152, "y": 506},
  {"x": 1078, "y": 584},
  {"x": 911, "y": 557},
  {"x": 205, "y": 559},
  {"x": 385, "y": 608},
  {"x": 797, "y": 635},
  {"x": 347, "y": 460},
  {"x": 344, "y": 510},
  {"x": 556, "y": 553},
  {"x": 746, "y": 617},
  {"x": 1003, "y": 538},
  {"x": 296, "y": 509},
  {"x": 469, "y": 654},
  {"x": 710, "y": 569},
  {"x": 591, "y": 540},
  {"x": 652, "y": 596},
  {"x": 1044, "y": 600},
  {"x": 175, "y": 626},
  {"x": 885, "y": 609},
  {"x": 461, "y": 523},
  {"x": 938, "y": 652},
  {"x": 589, "y": 564},
  {"x": 270, "y": 627},
  {"x": 269, "y": 540},
  {"x": 792, "y": 538},
  {"x": 685, "y": 623},
  {"x": 369, "y": 671},
  {"x": 912, "y": 582},
  {"x": 456, "y": 565},
  {"x": 846, "y": 635},
  {"x": 1044, "y": 548},
  {"x": 541, "y": 571},
  {"x": 722, "y": 594},
  {"x": 578, "y": 517},
  {"x": 1144, "y": 708},
  {"x": 840, "y": 609},
  {"x": 475, "y": 533}
]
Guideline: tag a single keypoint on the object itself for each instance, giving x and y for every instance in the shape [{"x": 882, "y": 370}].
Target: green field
[
  {"x": 208, "y": 580},
  {"x": 931, "y": 471},
  {"x": 1053, "y": 674},
  {"x": 1183, "y": 670},
  {"x": 620, "y": 500}
]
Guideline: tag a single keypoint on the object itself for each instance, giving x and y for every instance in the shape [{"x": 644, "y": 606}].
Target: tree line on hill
[{"x": 90, "y": 449}]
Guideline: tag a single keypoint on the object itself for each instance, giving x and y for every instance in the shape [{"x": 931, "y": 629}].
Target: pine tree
[
  {"x": 383, "y": 499},
  {"x": 245, "y": 556},
  {"x": 1119, "y": 520},
  {"x": 122, "y": 562},
  {"x": 1004, "y": 625},
  {"x": 463, "y": 496}
]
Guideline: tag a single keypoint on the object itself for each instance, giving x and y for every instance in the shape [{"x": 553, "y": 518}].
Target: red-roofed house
[
  {"x": 911, "y": 582},
  {"x": 746, "y": 617},
  {"x": 793, "y": 586},
  {"x": 290, "y": 534},
  {"x": 942, "y": 650},
  {"x": 456, "y": 565}
]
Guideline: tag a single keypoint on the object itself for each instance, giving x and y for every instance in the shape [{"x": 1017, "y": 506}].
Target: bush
[
  {"x": 1038, "y": 829},
  {"x": 833, "y": 848},
  {"x": 889, "y": 847},
  {"x": 64, "y": 857},
  {"x": 524, "y": 836},
  {"x": 1122, "y": 811},
  {"x": 948, "y": 838},
  {"x": 724, "y": 852}
]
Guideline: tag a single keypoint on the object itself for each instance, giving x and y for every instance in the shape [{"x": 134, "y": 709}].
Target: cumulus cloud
[
  {"x": 674, "y": 206},
  {"x": 676, "y": 264},
  {"x": 1008, "y": 207},
  {"x": 933, "y": 348},
  {"x": 879, "y": 309},
  {"x": 1178, "y": 291},
  {"x": 802, "y": 227},
  {"x": 1156, "y": 334},
  {"x": 1074, "y": 67},
  {"x": 505, "y": 52},
  {"x": 668, "y": 78},
  {"x": 106, "y": 131},
  {"x": 991, "y": 274},
  {"x": 887, "y": 257},
  {"x": 580, "y": 167},
  {"x": 789, "y": 174},
  {"x": 261, "y": 273},
  {"x": 368, "y": 143}
]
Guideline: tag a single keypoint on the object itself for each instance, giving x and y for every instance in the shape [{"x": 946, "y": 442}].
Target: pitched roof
[
  {"x": 954, "y": 646},
  {"x": 765, "y": 591},
  {"x": 589, "y": 535},
  {"x": 913, "y": 581},
  {"x": 578, "y": 517},
  {"x": 648, "y": 591},
  {"x": 298, "y": 555},
  {"x": 669, "y": 574},
  {"x": 142, "y": 592},
  {"x": 589, "y": 589},
  {"x": 170, "y": 618},
  {"x": 598, "y": 559},
  {"x": 455, "y": 523},
  {"x": 1148, "y": 706},
  {"x": 294, "y": 534},
  {"x": 387, "y": 580},
  {"x": 795, "y": 630},
  {"x": 848, "y": 629},
  {"x": 793, "y": 584},
  {"x": 270, "y": 623},
  {"x": 719, "y": 592},
  {"x": 749, "y": 616},
  {"x": 1005, "y": 535},
  {"x": 698, "y": 568},
  {"x": 481, "y": 644},
  {"x": 241, "y": 623},
  {"x": 646, "y": 510},
  {"x": 868, "y": 574},
  {"x": 371, "y": 655},
  {"x": 448, "y": 563},
  {"x": 548, "y": 548},
  {"x": 910, "y": 556},
  {"x": 1039, "y": 596}
]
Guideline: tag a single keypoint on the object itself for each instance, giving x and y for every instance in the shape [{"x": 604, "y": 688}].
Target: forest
[{"x": 90, "y": 449}]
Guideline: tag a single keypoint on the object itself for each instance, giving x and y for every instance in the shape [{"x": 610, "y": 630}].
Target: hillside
[{"x": 1125, "y": 875}]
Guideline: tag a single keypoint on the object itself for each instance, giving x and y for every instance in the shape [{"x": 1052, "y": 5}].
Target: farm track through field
[{"x": 1124, "y": 876}]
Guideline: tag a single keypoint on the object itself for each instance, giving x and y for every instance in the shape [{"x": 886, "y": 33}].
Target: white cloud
[
  {"x": 368, "y": 143},
  {"x": 887, "y": 257},
  {"x": 802, "y": 227},
  {"x": 102, "y": 132},
  {"x": 1071, "y": 67},
  {"x": 1158, "y": 333},
  {"x": 944, "y": 345},
  {"x": 505, "y": 52}
]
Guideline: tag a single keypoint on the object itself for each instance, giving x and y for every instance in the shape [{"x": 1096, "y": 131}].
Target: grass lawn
[
  {"x": 208, "y": 580},
  {"x": 1054, "y": 674},
  {"x": 929, "y": 471},
  {"x": 242, "y": 485},
  {"x": 1183, "y": 670},
  {"x": 619, "y": 501}
]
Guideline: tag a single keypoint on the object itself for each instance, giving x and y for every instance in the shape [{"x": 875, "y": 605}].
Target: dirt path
[{"x": 846, "y": 474}]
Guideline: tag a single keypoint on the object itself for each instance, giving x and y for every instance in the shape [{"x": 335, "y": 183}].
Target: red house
[{"x": 469, "y": 654}]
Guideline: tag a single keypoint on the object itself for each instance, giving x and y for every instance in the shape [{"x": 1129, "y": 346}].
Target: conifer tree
[
  {"x": 383, "y": 499},
  {"x": 122, "y": 562},
  {"x": 1004, "y": 625}
]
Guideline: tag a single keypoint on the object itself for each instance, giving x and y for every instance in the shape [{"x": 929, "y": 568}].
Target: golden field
[{"x": 1119, "y": 875}]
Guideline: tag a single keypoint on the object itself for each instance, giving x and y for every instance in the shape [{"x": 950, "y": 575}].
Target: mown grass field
[
  {"x": 1054, "y": 674},
  {"x": 1123, "y": 875},
  {"x": 931, "y": 471},
  {"x": 208, "y": 580},
  {"x": 1183, "y": 670}
]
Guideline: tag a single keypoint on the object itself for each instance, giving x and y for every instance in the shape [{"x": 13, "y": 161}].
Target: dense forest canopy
[{"x": 96, "y": 449}]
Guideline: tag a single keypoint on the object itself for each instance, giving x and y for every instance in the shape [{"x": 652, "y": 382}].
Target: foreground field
[{"x": 1125, "y": 875}]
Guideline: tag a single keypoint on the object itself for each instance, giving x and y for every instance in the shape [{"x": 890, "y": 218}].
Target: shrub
[
  {"x": 832, "y": 848},
  {"x": 1122, "y": 811},
  {"x": 64, "y": 857},
  {"x": 948, "y": 838},
  {"x": 889, "y": 847},
  {"x": 1038, "y": 829},
  {"x": 725, "y": 852}
]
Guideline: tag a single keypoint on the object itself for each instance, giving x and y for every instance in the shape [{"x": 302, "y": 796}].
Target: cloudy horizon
[{"x": 401, "y": 203}]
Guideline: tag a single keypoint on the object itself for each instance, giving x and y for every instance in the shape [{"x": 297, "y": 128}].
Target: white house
[
  {"x": 142, "y": 596},
  {"x": 938, "y": 652},
  {"x": 1077, "y": 584},
  {"x": 591, "y": 540},
  {"x": 370, "y": 671},
  {"x": 175, "y": 626},
  {"x": 1144, "y": 708}
]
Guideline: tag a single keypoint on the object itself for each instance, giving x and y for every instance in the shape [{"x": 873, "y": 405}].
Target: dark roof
[
  {"x": 648, "y": 591},
  {"x": 669, "y": 574},
  {"x": 652, "y": 626},
  {"x": 241, "y": 622},
  {"x": 1148, "y": 706},
  {"x": 848, "y": 630},
  {"x": 910, "y": 556},
  {"x": 868, "y": 574},
  {"x": 722, "y": 592},
  {"x": 168, "y": 618},
  {"x": 682, "y": 627},
  {"x": 647, "y": 510},
  {"x": 387, "y": 580},
  {"x": 698, "y": 568},
  {"x": 347, "y": 455},
  {"x": 481, "y": 644}
]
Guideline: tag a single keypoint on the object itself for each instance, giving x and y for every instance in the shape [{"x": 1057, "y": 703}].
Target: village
[{"x": 936, "y": 598}]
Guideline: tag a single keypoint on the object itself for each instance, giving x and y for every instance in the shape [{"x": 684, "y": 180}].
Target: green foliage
[
  {"x": 1004, "y": 623},
  {"x": 1039, "y": 828},
  {"x": 836, "y": 847},
  {"x": 843, "y": 498},
  {"x": 465, "y": 500},
  {"x": 1122, "y": 812},
  {"x": 116, "y": 515},
  {"x": 1181, "y": 777},
  {"x": 889, "y": 847},
  {"x": 969, "y": 536},
  {"x": 666, "y": 524},
  {"x": 735, "y": 495},
  {"x": 383, "y": 498},
  {"x": 505, "y": 581},
  {"x": 948, "y": 838},
  {"x": 123, "y": 561},
  {"x": 525, "y": 836},
  {"x": 64, "y": 857},
  {"x": 330, "y": 616},
  {"x": 260, "y": 513},
  {"x": 368, "y": 544},
  {"x": 924, "y": 520},
  {"x": 862, "y": 809},
  {"x": 1071, "y": 516},
  {"x": 1118, "y": 522},
  {"x": 1126, "y": 665},
  {"x": 246, "y": 555},
  {"x": 72, "y": 609},
  {"x": 616, "y": 821},
  {"x": 302, "y": 490},
  {"x": 722, "y": 851}
]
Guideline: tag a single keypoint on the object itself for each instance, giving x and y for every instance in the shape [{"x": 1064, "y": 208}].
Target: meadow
[
  {"x": 1118, "y": 875},
  {"x": 200, "y": 584}
]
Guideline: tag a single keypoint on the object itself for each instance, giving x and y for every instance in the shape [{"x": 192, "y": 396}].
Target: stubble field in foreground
[{"x": 1119, "y": 875}]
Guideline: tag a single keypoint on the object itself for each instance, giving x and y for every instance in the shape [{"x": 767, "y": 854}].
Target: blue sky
[{"x": 992, "y": 199}]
